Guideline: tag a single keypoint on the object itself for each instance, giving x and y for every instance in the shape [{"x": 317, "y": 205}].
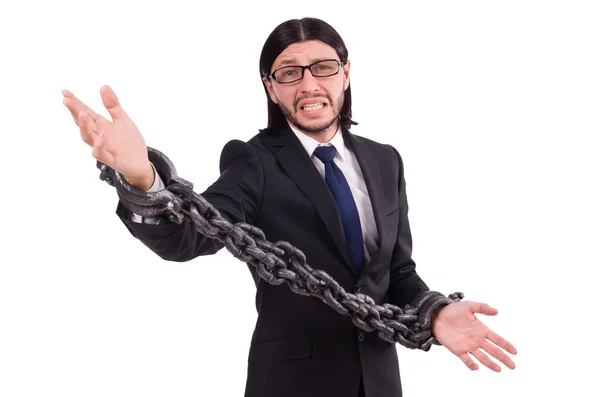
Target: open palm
[
  {"x": 457, "y": 328},
  {"x": 117, "y": 143}
]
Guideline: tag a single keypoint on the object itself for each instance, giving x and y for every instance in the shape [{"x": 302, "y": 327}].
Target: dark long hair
[{"x": 294, "y": 31}]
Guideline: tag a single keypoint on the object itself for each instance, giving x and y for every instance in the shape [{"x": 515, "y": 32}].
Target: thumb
[
  {"x": 482, "y": 308},
  {"x": 111, "y": 103}
]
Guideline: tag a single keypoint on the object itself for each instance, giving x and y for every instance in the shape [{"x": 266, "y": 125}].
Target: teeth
[{"x": 312, "y": 106}]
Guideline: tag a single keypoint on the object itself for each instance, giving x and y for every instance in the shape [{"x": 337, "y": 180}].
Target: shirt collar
[{"x": 310, "y": 144}]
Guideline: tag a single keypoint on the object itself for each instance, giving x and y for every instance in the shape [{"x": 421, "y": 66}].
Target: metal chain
[{"x": 279, "y": 262}]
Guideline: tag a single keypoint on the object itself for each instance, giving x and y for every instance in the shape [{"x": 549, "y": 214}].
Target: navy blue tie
[{"x": 342, "y": 195}]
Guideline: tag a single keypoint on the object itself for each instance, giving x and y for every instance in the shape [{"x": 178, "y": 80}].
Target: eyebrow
[
  {"x": 288, "y": 61},
  {"x": 293, "y": 61}
]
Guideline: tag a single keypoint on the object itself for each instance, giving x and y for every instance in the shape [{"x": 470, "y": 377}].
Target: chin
[{"x": 315, "y": 126}]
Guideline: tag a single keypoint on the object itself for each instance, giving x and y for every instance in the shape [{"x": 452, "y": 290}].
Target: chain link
[{"x": 279, "y": 262}]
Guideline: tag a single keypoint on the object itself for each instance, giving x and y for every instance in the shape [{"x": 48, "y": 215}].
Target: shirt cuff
[{"x": 157, "y": 185}]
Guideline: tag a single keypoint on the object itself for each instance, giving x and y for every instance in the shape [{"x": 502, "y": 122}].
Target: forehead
[{"x": 305, "y": 53}]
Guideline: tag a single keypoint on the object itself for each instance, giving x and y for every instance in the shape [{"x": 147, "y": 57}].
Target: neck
[{"x": 321, "y": 136}]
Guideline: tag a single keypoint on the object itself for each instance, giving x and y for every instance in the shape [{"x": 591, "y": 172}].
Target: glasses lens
[
  {"x": 289, "y": 74},
  {"x": 325, "y": 68}
]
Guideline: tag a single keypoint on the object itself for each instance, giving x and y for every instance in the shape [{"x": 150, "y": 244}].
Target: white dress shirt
[{"x": 346, "y": 161}]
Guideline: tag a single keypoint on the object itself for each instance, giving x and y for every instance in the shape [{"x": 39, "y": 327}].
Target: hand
[
  {"x": 118, "y": 144},
  {"x": 456, "y": 327}
]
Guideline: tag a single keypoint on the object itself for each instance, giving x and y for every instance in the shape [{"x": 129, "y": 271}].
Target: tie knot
[{"x": 325, "y": 153}]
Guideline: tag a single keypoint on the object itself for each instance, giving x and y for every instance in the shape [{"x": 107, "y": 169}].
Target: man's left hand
[{"x": 456, "y": 327}]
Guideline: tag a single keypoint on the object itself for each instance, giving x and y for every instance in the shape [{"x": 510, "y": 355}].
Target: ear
[
  {"x": 269, "y": 85},
  {"x": 346, "y": 75}
]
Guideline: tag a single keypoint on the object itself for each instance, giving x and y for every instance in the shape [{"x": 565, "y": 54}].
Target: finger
[
  {"x": 71, "y": 104},
  {"x": 485, "y": 360},
  {"x": 107, "y": 128},
  {"x": 89, "y": 123},
  {"x": 498, "y": 354},
  {"x": 500, "y": 341},
  {"x": 111, "y": 103},
  {"x": 75, "y": 106},
  {"x": 76, "y": 102},
  {"x": 87, "y": 131},
  {"x": 483, "y": 308},
  {"x": 468, "y": 362},
  {"x": 100, "y": 153}
]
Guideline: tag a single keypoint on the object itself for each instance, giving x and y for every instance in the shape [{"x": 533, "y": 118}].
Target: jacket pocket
[
  {"x": 289, "y": 348},
  {"x": 391, "y": 219}
]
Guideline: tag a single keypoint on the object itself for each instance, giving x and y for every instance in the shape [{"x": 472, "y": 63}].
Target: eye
[{"x": 288, "y": 74}]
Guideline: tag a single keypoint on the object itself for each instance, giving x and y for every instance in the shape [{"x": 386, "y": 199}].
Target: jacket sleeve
[
  {"x": 405, "y": 283},
  {"x": 236, "y": 194}
]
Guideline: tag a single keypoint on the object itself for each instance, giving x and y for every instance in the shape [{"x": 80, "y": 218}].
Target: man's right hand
[{"x": 118, "y": 144}]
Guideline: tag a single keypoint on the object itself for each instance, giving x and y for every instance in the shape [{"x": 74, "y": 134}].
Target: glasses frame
[{"x": 305, "y": 67}]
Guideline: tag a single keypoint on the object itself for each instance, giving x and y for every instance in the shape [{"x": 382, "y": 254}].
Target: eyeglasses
[{"x": 290, "y": 74}]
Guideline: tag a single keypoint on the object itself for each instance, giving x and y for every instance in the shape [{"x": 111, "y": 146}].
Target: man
[{"x": 338, "y": 197}]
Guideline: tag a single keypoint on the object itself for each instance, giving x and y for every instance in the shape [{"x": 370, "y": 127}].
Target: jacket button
[{"x": 361, "y": 337}]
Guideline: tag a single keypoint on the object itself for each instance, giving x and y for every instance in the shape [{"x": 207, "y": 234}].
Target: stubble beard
[{"x": 318, "y": 129}]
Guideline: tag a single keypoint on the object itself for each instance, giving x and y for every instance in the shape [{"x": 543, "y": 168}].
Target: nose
[{"x": 309, "y": 83}]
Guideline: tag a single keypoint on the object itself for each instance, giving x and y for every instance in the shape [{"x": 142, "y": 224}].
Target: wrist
[
  {"x": 434, "y": 318},
  {"x": 145, "y": 181}
]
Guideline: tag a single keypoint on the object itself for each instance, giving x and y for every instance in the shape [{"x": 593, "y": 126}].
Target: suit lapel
[
  {"x": 292, "y": 157},
  {"x": 373, "y": 175}
]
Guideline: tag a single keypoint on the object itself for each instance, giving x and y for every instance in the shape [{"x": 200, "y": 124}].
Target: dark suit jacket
[{"x": 302, "y": 347}]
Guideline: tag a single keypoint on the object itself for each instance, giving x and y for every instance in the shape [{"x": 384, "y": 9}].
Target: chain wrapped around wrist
[{"x": 279, "y": 262}]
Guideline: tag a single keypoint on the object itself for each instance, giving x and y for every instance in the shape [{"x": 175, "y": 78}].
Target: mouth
[{"x": 312, "y": 106}]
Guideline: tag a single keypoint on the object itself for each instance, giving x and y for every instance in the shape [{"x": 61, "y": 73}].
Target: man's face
[{"x": 312, "y": 104}]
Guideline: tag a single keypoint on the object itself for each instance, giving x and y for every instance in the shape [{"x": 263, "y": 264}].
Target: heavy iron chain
[{"x": 280, "y": 261}]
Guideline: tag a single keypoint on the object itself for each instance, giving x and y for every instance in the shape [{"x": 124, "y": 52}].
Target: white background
[{"x": 493, "y": 105}]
